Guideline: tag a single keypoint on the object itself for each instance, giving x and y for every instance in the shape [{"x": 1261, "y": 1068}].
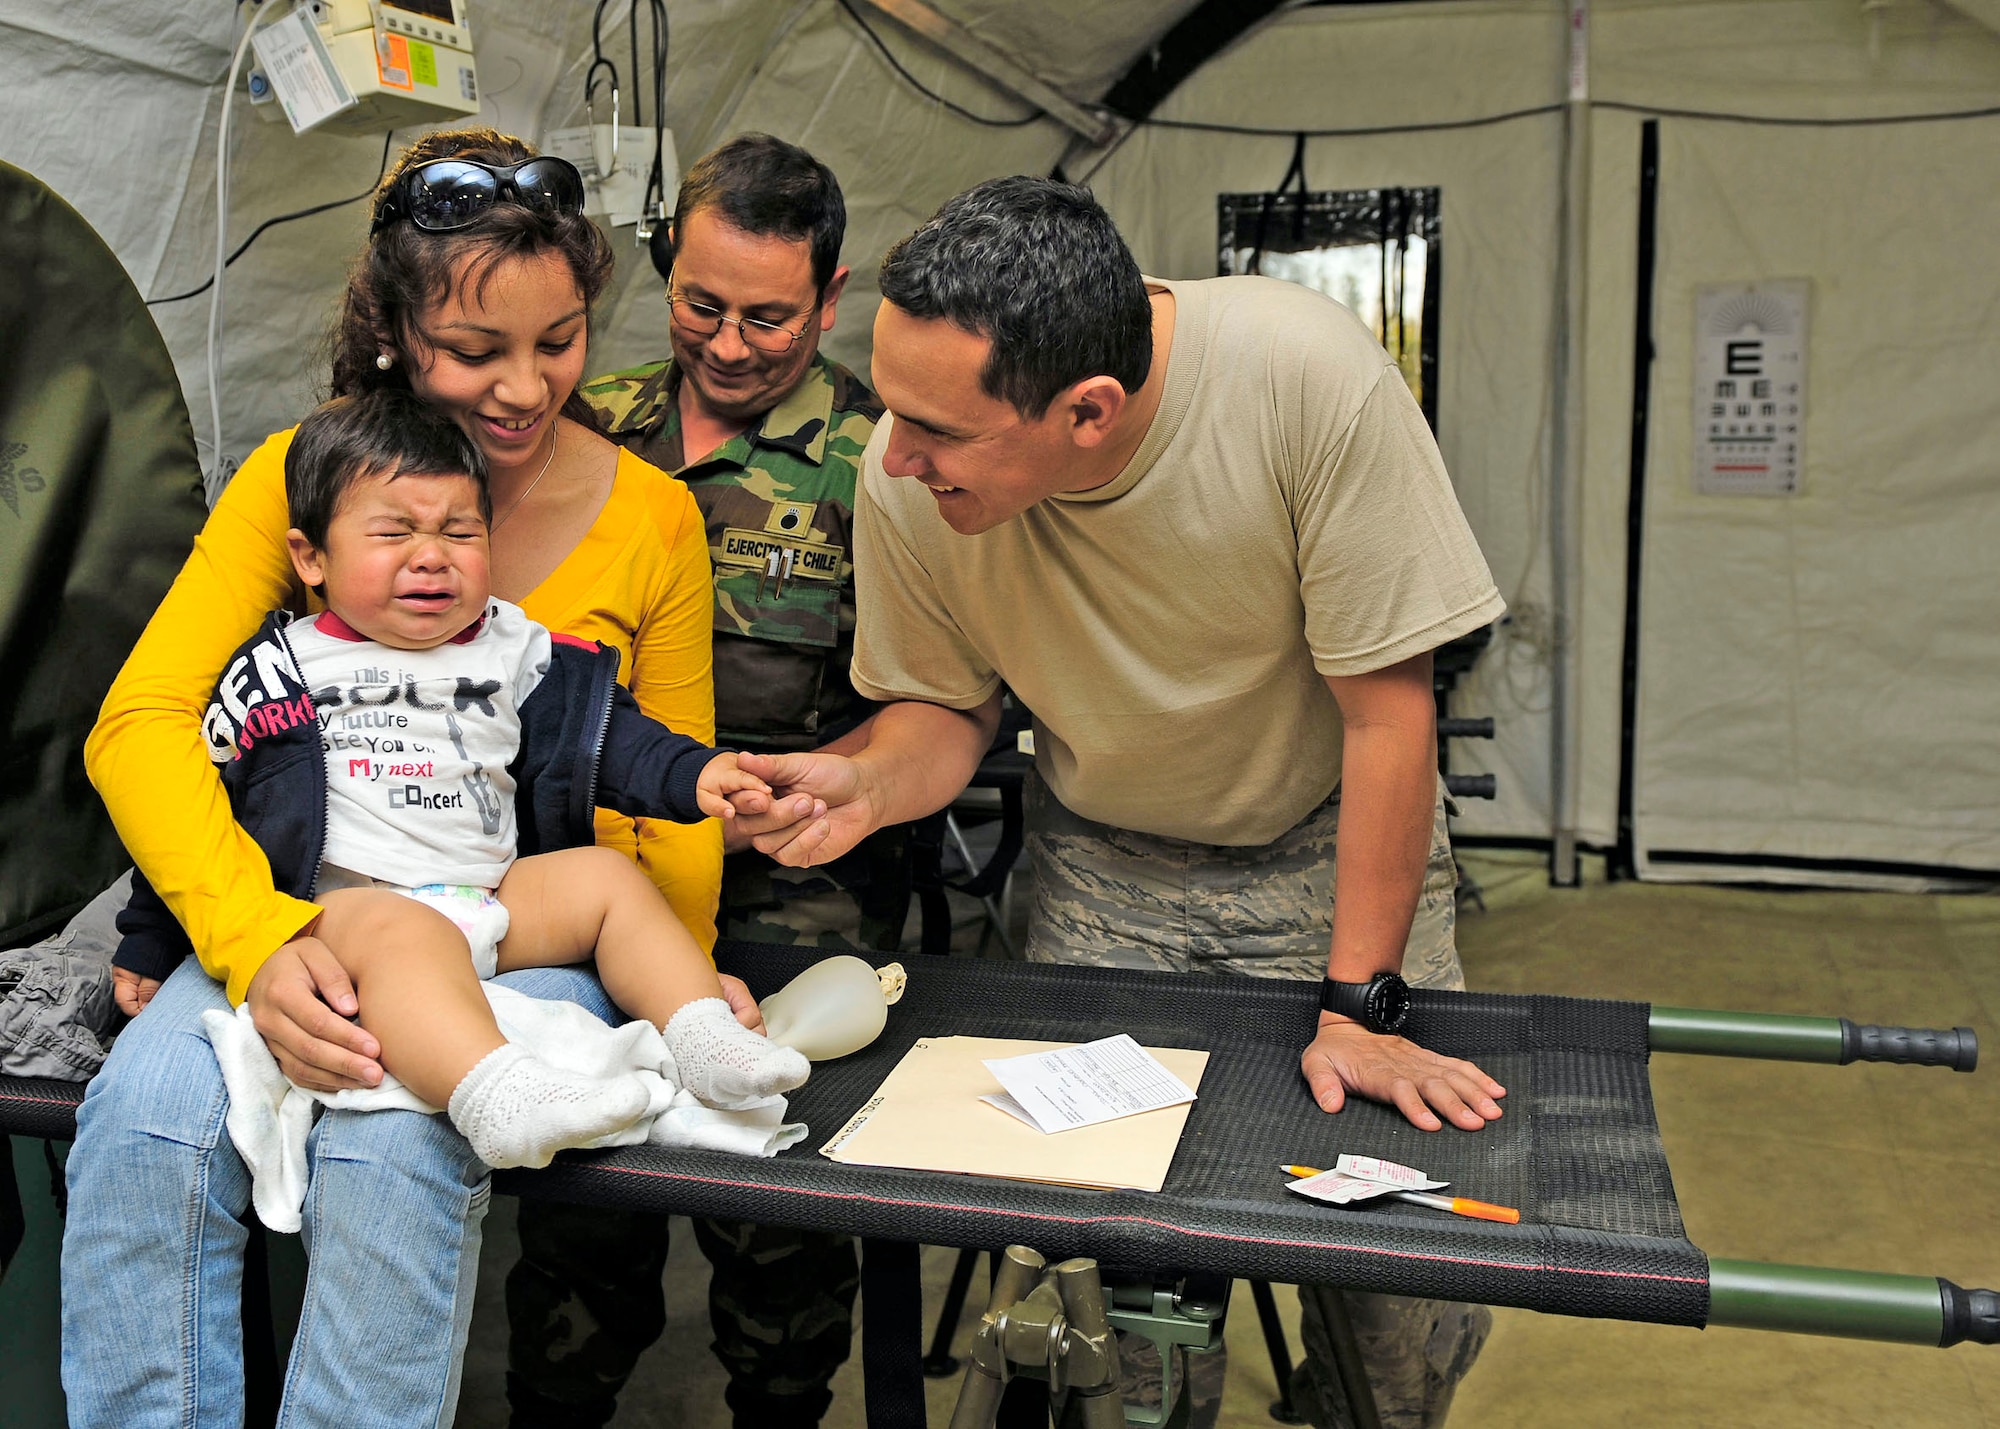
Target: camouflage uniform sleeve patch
[{"x": 629, "y": 400}]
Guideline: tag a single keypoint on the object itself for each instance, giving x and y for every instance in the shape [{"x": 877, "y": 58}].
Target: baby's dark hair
[{"x": 387, "y": 430}]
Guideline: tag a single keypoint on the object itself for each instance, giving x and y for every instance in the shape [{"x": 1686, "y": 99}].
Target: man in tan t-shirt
[{"x": 1202, "y": 531}]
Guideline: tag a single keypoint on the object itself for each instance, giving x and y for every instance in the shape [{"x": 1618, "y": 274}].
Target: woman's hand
[
  {"x": 132, "y": 992},
  {"x": 300, "y": 1002},
  {"x": 741, "y": 1002}
]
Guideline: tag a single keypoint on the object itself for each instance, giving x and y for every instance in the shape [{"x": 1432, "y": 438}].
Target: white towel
[{"x": 269, "y": 1116}]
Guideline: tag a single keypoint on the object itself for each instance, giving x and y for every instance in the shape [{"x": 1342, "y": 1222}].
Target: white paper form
[{"x": 1084, "y": 1085}]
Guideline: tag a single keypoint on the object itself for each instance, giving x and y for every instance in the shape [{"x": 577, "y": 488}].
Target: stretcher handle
[
  {"x": 1854, "y": 1304},
  {"x": 1780, "y": 1037},
  {"x": 1956, "y": 1048}
]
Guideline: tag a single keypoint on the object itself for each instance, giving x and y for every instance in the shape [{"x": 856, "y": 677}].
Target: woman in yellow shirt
[{"x": 474, "y": 291}]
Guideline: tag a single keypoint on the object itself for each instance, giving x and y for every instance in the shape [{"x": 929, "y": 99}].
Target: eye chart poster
[{"x": 1749, "y": 387}]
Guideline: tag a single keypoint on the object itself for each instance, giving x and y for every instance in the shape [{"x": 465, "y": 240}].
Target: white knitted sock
[
  {"x": 723, "y": 1062},
  {"x": 519, "y": 1111}
]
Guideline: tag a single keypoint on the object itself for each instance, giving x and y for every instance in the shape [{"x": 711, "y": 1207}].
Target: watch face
[{"x": 1389, "y": 1001}]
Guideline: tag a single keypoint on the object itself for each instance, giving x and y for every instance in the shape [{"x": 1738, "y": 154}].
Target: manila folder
[{"x": 927, "y": 1116}]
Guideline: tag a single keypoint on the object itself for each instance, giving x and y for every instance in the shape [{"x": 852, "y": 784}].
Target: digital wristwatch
[{"x": 1382, "y": 1004}]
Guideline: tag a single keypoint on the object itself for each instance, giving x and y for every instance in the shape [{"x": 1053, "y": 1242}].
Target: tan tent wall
[{"x": 1816, "y": 671}]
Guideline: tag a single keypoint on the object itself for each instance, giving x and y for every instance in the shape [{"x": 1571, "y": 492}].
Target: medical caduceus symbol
[{"x": 478, "y": 787}]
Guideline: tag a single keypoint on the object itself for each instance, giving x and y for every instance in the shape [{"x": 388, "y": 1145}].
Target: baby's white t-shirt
[{"x": 417, "y": 745}]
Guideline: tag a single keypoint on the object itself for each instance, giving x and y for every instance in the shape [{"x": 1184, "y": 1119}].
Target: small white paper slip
[
  {"x": 1389, "y": 1173},
  {"x": 1084, "y": 1085},
  {"x": 1339, "y": 1189},
  {"x": 1359, "y": 1178}
]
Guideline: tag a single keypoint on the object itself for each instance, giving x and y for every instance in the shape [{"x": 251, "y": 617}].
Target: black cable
[
  {"x": 1204, "y": 127},
  {"x": 1258, "y": 131},
  {"x": 1650, "y": 110},
  {"x": 632, "y": 34},
  {"x": 597, "y": 36},
  {"x": 920, "y": 87},
  {"x": 1849, "y": 122},
  {"x": 598, "y": 61},
  {"x": 258, "y": 231},
  {"x": 1481, "y": 121},
  {"x": 656, "y": 181}
]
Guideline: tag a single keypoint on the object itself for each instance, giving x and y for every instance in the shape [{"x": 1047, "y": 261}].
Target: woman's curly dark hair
[{"x": 404, "y": 270}]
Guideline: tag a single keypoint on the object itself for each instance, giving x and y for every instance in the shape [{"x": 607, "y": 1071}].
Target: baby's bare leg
[
  {"x": 578, "y": 903},
  {"x": 413, "y": 977},
  {"x": 564, "y": 905}
]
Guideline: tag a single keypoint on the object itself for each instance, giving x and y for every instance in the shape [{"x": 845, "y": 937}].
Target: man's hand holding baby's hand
[{"x": 725, "y": 790}]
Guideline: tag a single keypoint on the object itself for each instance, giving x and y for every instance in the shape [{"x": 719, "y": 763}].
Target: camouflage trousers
[
  {"x": 1112, "y": 897},
  {"x": 585, "y": 1300},
  {"x": 857, "y": 903}
]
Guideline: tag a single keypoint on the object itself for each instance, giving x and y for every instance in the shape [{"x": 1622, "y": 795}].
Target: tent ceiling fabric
[{"x": 800, "y": 68}]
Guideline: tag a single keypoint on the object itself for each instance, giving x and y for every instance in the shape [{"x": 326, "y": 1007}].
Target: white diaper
[{"x": 474, "y": 911}]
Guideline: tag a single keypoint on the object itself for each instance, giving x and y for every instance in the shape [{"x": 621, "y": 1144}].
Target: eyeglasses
[
  {"x": 450, "y": 193},
  {"x": 702, "y": 320}
]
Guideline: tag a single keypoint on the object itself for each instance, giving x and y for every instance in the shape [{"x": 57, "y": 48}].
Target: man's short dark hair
[
  {"x": 764, "y": 186},
  {"x": 348, "y": 438},
  {"x": 1038, "y": 267}
]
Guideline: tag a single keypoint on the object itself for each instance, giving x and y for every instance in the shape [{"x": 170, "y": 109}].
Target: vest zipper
[{"x": 601, "y": 694}]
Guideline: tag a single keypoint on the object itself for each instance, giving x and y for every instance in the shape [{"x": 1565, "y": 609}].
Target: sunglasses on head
[{"x": 451, "y": 193}]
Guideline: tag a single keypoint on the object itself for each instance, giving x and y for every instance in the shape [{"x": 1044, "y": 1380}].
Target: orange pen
[{"x": 1457, "y": 1205}]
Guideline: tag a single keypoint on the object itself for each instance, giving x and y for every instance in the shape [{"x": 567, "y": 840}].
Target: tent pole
[
  {"x": 1565, "y": 501},
  {"x": 1625, "y": 857}
]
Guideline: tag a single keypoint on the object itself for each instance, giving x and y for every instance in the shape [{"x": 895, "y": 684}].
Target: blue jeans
[{"x": 152, "y": 1262}]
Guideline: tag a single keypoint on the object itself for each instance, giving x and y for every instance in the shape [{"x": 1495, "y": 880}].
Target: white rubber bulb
[{"x": 829, "y": 1010}]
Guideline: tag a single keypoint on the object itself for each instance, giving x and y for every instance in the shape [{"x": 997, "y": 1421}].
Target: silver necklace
[{"x": 553, "y": 431}]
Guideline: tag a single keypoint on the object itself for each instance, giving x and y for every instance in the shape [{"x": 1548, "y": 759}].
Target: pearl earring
[{"x": 384, "y": 361}]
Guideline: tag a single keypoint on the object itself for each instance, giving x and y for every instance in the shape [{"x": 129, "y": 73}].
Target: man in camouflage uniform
[{"x": 768, "y": 435}]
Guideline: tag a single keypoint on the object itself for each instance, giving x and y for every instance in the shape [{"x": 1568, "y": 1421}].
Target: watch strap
[{"x": 1345, "y": 999}]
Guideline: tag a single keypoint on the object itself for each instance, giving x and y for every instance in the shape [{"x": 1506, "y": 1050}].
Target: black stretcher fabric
[{"x": 1578, "y": 1151}]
